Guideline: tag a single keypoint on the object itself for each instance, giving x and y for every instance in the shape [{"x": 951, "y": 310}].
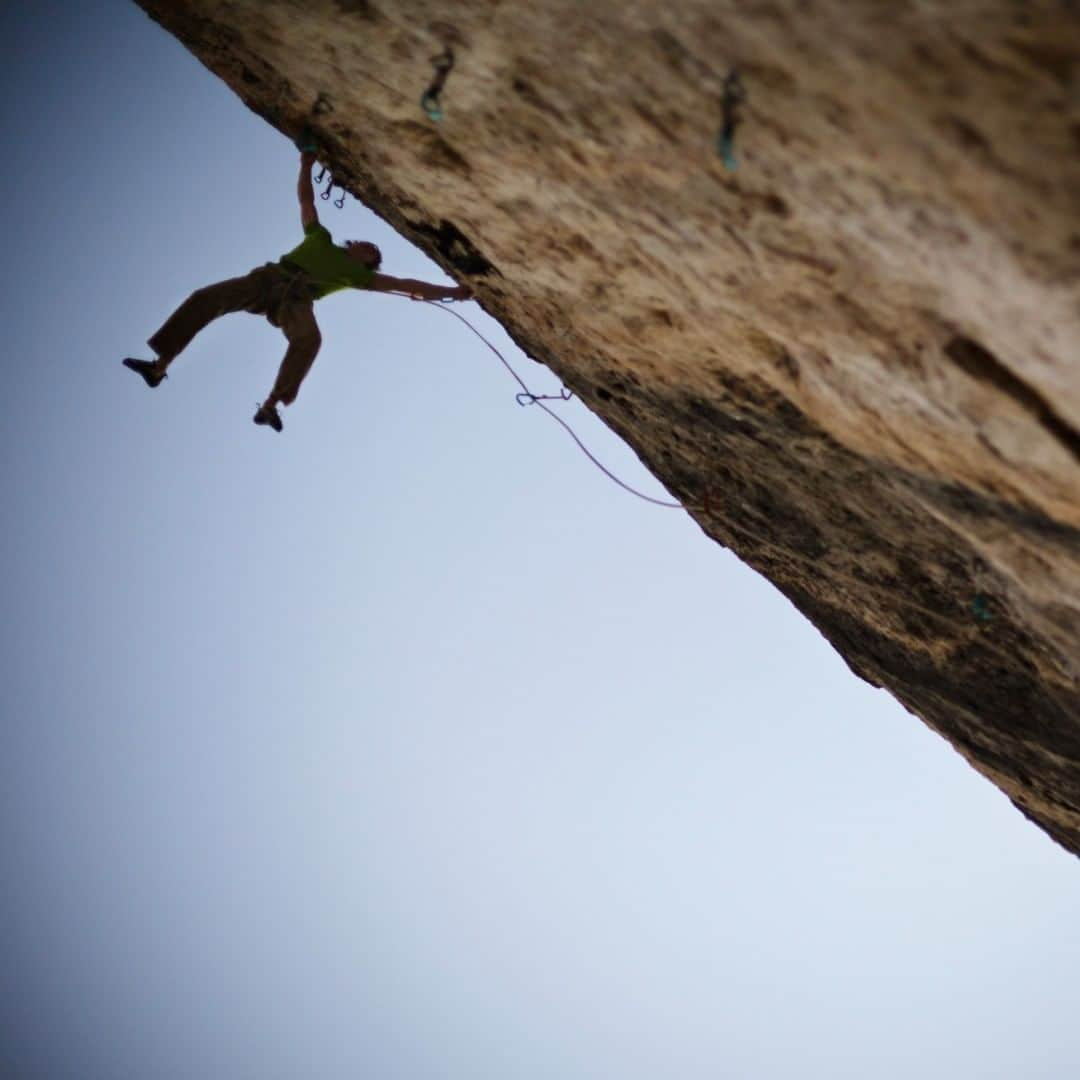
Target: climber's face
[{"x": 363, "y": 252}]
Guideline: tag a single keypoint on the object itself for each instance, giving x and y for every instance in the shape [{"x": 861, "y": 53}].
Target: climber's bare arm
[
  {"x": 308, "y": 214},
  {"x": 420, "y": 290}
]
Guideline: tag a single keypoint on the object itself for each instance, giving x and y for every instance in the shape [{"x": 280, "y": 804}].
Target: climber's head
[{"x": 364, "y": 253}]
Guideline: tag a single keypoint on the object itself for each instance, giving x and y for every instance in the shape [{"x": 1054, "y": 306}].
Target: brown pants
[{"x": 267, "y": 290}]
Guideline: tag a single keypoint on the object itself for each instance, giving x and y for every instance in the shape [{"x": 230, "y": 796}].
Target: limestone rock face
[{"x": 854, "y": 358}]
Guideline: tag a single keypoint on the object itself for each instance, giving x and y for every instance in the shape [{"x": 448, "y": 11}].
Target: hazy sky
[{"x": 404, "y": 744}]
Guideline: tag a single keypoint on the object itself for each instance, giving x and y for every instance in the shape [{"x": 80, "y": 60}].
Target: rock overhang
[{"x": 853, "y": 358}]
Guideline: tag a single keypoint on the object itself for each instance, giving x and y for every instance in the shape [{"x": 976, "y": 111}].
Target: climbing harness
[
  {"x": 297, "y": 277},
  {"x": 734, "y": 96},
  {"x": 429, "y": 101}
]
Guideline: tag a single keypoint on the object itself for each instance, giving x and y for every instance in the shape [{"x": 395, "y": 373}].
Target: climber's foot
[
  {"x": 268, "y": 415},
  {"x": 150, "y": 370}
]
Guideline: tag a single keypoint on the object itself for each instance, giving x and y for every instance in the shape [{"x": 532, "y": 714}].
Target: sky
[{"x": 404, "y": 744}]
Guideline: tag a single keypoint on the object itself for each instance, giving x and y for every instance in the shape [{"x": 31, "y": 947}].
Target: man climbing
[{"x": 285, "y": 293}]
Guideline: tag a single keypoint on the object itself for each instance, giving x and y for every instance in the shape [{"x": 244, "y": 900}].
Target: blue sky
[{"x": 404, "y": 744}]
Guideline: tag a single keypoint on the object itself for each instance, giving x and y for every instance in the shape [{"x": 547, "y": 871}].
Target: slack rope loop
[
  {"x": 539, "y": 399},
  {"x": 525, "y": 398}
]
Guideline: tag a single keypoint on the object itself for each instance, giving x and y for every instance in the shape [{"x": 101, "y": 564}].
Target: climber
[{"x": 285, "y": 292}]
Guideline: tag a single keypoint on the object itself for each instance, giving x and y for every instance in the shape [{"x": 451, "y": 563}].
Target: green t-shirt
[{"x": 329, "y": 265}]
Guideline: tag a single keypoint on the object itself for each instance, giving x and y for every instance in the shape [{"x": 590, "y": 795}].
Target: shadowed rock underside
[{"x": 853, "y": 358}]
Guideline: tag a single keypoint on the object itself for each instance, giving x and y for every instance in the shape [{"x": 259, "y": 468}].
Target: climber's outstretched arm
[
  {"x": 421, "y": 290},
  {"x": 308, "y": 214}
]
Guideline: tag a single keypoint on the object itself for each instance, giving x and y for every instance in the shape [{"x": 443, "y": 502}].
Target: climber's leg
[
  {"x": 203, "y": 306},
  {"x": 299, "y": 326},
  {"x": 297, "y": 320}
]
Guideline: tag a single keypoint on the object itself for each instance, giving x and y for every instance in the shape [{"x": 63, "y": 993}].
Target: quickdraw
[
  {"x": 734, "y": 96},
  {"x": 429, "y": 101},
  {"x": 339, "y": 203}
]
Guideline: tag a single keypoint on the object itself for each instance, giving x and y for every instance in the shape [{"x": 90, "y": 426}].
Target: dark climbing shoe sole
[
  {"x": 268, "y": 416},
  {"x": 147, "y": 369}
]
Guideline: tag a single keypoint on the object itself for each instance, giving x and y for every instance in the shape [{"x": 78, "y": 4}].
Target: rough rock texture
[{"x": 853, "y": 358}]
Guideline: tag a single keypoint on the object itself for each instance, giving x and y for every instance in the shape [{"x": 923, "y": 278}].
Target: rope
[{"x": 527, "y": 397}]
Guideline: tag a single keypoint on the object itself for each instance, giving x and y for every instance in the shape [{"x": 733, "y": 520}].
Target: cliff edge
[{"x": 853, "y": 357}]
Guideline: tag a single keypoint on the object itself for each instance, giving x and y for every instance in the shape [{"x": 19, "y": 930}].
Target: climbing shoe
[
  {"x": 268, "y": 415},
  {"x": 147, "y": 369}
]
